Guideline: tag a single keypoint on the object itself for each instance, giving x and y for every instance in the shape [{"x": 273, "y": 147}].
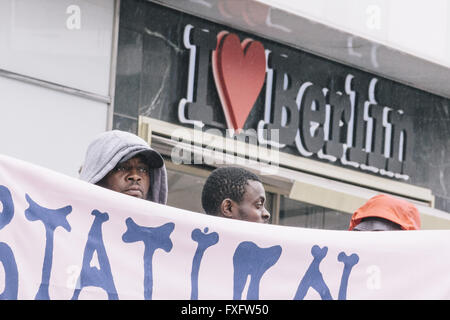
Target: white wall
[
  {"x": 418, "y": 27},
  {"x": 62, "y": 41},
  {"x": 67, "y": 43},
  {"x": 47, "y": 127}
]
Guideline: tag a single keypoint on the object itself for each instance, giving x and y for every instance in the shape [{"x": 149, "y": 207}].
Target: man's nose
[
  {"x": 133, "y": 175},
  {"x": 266, "y": 215}
]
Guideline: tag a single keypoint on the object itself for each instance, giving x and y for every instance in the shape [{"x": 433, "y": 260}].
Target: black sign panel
[{"x": 175, "y": 67}]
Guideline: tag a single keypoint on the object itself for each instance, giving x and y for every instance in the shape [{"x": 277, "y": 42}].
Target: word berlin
[{"x": 316, "y": 120}]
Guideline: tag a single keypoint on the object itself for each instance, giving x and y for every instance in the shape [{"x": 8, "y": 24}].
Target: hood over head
[
  {"x": 112, "y": 147},
  {"x": 387, "y": 207}
]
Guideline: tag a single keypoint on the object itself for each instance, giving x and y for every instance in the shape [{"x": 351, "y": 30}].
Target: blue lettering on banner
[
  {"x": 153, "y": 238},
  {"x": 92, "y": 276},
  {"x": 8, "y": 206},
  {"x": 51, "y": 218},
  {"x": 11, "y": 273},
  {"x": 204, "y": 242},
  {"x": 349, "y": 263},
  {"x": 249, "y": 259},
  {"x": 313, "y": 277},
  {"x": 6, "y": 254}
]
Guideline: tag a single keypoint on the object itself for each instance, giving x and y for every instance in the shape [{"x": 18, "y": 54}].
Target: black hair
[{"x": 222, "y": 183}]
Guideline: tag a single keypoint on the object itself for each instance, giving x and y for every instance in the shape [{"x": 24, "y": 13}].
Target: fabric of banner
[{"x": 63, "y": 238}]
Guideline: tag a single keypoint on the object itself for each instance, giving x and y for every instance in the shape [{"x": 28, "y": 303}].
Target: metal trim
[
  {"x": 54, "y": 86},
  {"x": 113, "y": 66}
]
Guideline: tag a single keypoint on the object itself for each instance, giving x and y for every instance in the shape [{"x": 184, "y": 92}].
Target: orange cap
[{"x": 387, "y": 207}]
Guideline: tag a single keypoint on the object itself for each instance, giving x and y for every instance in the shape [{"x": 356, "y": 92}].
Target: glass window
[
  {"x": 185, "y": 192},
  {"x": 300, "y": 214}
]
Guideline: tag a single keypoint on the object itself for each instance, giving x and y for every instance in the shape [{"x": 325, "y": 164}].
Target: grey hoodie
[{"x": 112, "y": 147}]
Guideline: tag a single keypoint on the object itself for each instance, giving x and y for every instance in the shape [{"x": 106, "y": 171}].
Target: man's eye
[
  {"x": 120, "y": 168},
  {"x": 143, "y": 170}
]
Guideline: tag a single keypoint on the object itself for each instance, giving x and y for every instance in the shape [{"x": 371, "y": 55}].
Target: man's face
[
  {"x": 131, "y": 177},
  {"x": 251, "y": 208},
  {"x": 376, "y": 224}
]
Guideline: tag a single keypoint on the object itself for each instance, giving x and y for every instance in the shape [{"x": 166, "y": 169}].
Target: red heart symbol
[{"x": 239, "y": 72}]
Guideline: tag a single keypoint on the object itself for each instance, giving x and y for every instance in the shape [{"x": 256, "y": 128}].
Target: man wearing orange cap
[{"x": 385, "y": 213}]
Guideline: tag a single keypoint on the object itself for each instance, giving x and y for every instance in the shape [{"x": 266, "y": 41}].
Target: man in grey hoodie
[{"x": 123, "y": 162}]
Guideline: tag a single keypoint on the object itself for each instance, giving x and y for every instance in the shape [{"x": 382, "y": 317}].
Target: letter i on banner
[{"x": 204, "y": 240}]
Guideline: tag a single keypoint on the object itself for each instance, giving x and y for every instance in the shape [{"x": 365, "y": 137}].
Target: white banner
[{"x": 62, "y": 238}]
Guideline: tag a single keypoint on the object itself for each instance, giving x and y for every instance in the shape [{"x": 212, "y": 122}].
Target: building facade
[{"x": 326, "y": 117}]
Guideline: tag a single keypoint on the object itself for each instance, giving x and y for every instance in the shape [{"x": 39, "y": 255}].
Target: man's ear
[{"x": 226, "y": 208}]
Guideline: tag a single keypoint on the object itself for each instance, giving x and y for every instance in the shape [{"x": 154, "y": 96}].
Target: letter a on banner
[
  {"x": 313, "y": 277},
  {"x": 91, "y": 276}
]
